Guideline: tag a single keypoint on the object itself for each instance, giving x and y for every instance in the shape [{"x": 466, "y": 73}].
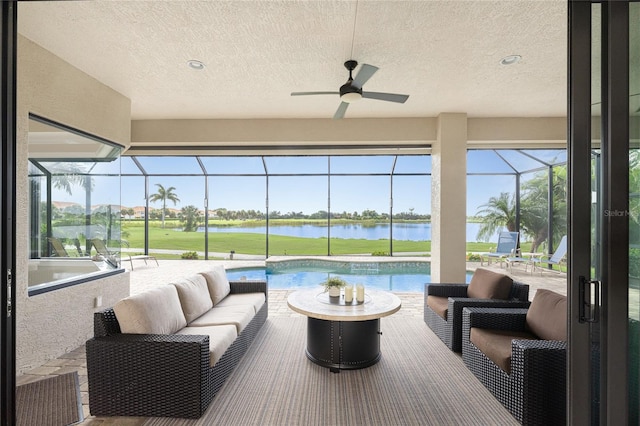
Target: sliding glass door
[
  {"x": 8, "y": 22},
  {"x": 634, "y": 213},
  {"x": 604, "y": 109}
]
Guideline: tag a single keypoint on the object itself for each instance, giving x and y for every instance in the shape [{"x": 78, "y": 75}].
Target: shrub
[
  {"x": 380, "y": 253},
  {"x": 190, "y": 255},
  {"x": 473, "y": 257}
]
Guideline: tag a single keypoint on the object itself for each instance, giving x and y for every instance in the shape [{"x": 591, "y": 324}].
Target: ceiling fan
[{"x": 352, "y": 91}]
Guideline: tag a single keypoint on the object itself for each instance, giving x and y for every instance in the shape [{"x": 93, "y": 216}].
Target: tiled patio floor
[{"x": 145, "y": 277}]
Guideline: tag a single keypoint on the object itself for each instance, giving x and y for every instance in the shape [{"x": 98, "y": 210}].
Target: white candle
[
  {"x": 348, "y": 293},
  {"x": 360, "y": 293}
]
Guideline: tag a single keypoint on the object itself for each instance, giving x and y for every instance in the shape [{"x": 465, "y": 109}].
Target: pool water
[{"x": 398, "y": 280}]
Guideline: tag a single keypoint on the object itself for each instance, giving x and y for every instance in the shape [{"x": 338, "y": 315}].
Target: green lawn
[{"x": 247, "y": 243}]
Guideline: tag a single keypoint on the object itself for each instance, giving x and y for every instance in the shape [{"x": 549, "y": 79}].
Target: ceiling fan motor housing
[{"x": 349, "y": 93}]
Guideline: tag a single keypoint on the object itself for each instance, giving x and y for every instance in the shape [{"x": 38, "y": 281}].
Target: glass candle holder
[{"x": 360, "y": 293}]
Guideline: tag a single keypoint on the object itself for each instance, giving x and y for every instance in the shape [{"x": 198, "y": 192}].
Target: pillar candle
[
  {"x": 360, "y": 293},
  {"x": 348, "y": 293}
]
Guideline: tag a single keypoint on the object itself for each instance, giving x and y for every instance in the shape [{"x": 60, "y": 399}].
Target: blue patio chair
[
  {"x": 507, "y": 246},
  {"x": 557, "y": 258}
]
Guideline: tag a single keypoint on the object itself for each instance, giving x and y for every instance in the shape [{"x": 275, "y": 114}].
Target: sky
[{"x": 307, "y": 194}]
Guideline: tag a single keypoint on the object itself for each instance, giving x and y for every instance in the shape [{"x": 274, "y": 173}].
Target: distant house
[
  {"x": 62, "y": 205},
  {"x": 113, "y": 208},
  {"x": 139, "y": 212}
]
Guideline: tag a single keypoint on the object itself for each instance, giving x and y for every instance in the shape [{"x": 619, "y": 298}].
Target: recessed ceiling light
[
  {"x": 510, "y": 60},
  {"x": 195, "y": 64}
]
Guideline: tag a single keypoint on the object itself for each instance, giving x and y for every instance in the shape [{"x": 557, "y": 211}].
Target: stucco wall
[{"x": 53, "y": 323}]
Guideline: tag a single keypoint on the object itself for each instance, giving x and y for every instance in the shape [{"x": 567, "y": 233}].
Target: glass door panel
[
  {"x": 634, "y": 213},
  {"x": 634, "y": 281},
  {"x": 596, "y": 201}
]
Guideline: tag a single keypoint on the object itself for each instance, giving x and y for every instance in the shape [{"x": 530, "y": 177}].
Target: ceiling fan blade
[
  {"x": 313, "y": 93},
  {"x": 365, "y": 73},
  {"x": 391, "y": 97},
  {"x": 341, "y": 110}
]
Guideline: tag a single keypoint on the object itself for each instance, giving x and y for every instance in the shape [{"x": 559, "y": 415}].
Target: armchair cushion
[
  {"x": 486, "y": 284},
  {"x": 194, "y": 296},
  {"x": 547, "y": 315},
  {"x": 439, "y": 305},
  {"x": 218, "y": 283},
  {"x": 496, "y": 344},
  {"x": 156, "y": 311}
]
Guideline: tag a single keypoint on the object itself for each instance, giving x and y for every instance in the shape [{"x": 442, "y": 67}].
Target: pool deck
[{"x": 145, "y": 277}]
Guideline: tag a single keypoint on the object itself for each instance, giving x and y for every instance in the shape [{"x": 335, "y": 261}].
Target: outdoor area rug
[
  {"x": 54, "y": 401},
  {"x": 418, "y": 381}
]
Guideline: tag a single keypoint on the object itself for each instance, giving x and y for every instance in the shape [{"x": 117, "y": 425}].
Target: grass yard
[{"x": 255, "y": 244}]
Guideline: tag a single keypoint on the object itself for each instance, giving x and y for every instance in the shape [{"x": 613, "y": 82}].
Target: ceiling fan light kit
[{"x": 352, "y": 91}]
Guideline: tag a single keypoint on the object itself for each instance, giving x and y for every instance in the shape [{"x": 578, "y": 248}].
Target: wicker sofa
[
  {"x": 443, "y": 303},
  {"x": 519, "y": 355},
  {"x": 167, "y": 352}
]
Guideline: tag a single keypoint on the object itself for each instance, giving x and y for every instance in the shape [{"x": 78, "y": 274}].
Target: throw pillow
[
  {"x": 156, "y": 311},
  {"x": 218, "y": 283},
  {"x": 194, "y": 296}
]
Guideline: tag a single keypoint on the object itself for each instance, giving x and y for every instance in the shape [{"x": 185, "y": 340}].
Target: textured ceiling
[{"x": 444, "y": 54}]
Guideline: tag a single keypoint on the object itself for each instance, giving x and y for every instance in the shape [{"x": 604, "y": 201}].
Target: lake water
[{"x": 401, "y": 231}]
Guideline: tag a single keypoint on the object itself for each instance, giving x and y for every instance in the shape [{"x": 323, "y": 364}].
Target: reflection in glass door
[
  {"x": 634, "y": 282},
  {"x": 634, "y": 213}
]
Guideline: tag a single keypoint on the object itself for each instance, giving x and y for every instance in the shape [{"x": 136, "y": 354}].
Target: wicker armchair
[
  {"x": 161, "y": 375},
  {"x": 449, "y": 327},
  {"x": 534, "y": 387}
]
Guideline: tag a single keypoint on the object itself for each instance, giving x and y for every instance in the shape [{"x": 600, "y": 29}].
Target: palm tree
[
  {"x": 164, "y": 195},
  {"x": 190, "y": 215},
  {"x": 534, "y": 207},
  {"x": 498, "y": 212}
]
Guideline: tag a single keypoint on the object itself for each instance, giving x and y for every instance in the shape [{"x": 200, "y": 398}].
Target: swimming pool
[{"x": 391, "y": 276}]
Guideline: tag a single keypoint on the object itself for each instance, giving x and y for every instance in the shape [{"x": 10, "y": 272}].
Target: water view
[{"x": 400, "y": 231}]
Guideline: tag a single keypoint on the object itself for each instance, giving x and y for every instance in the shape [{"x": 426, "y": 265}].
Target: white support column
[{"x": 449, "y": 199}]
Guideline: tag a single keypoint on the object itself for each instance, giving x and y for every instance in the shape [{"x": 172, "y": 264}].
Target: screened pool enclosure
[
  {"x": 256, "y": 206},
  {"x": 327, "y": 205}
]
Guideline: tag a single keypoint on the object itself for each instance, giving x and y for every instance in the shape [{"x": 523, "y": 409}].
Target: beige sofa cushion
[
  {"x": 156, "y": 311},
  {"x": 218, "y": 283},
  {"x": 547, "y": 315},
  {"x": 254, "y": 299},
  {"x": 486, "y": 284},
  {"x": 220, "y": 338},
  {"x": 240, "y": 316},
  {"x": 439, "y": 305},
  {"x": 496, "y": 344},
  {"x": 194, "y": 296}
]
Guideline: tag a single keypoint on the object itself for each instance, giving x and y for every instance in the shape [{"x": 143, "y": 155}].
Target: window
[{"x": 74, "y": 182}]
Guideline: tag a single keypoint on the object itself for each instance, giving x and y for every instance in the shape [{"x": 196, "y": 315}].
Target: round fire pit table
[{"x": 343, "y": 335}]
